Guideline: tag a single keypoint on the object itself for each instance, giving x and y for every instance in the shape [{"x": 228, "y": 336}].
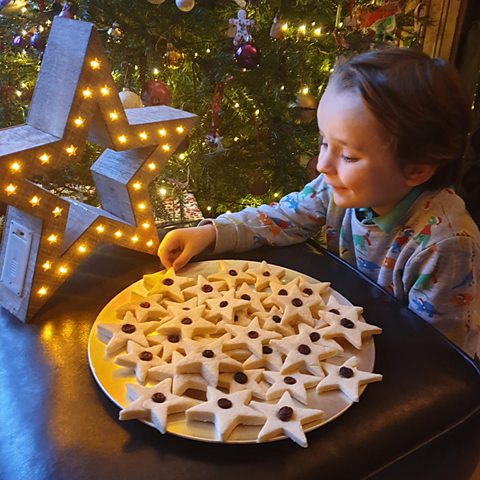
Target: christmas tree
[{"x": 251, "y": 70}]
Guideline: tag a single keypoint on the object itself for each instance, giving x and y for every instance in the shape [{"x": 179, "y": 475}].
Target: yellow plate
[{"x": 112, "y": 379}]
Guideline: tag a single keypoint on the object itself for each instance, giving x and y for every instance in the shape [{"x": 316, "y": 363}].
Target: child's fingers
[{"x": 182, "y": 259}]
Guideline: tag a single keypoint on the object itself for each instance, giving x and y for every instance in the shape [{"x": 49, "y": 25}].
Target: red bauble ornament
[
  {"x": 260, "y": 184},
  {"x": 247, "y": 56},
  {"x": 155, "y": 92}
]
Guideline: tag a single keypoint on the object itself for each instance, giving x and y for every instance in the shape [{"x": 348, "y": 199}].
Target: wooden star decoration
[{"x": 75, "y": 100}]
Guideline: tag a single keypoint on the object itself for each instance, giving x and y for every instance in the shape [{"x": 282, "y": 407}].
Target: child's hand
[{"x": 179, "y": 246}]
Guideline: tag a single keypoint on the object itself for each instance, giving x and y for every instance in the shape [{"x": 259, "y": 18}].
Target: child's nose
[{"x": 324, "y": 163}]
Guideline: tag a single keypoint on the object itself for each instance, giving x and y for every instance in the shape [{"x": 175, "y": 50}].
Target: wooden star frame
[{"x": 75, "y": 99}]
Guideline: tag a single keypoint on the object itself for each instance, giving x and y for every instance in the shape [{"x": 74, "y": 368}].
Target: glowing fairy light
[
  {"x": 285, "y": 27},
  {"x": 152, "y": 166},
  {"x": 134, "y": 239},
  {"x": 11, "y": 189},
  {"x": 44, "y": 158},
  {"x": 163, "y": 192},
  {"x": 57, "y": 211},
  {"x": 149, "y": 243},
  {"x": 122, "y": 139},
  {"x": 137, "y": 186},
  {"x": 145, "y": 225},
  {"x": 318, "y": 31},
  {"x": 87, "y": 93},
  {"x": 63, "y": 269},
  {"x": 302, "y": 29},
  {"x": 113, "y": 116},
  {"x": 95, "y": 64},
  {"x": 35, "y": 201},
  {"x": 82, "y": 248},
  {"x": 47, "y": 265},
  {"x": 105, "y": 91},
  {"x": 118, "y": 234},
  {"x": 52, "y": 238},
  {"x": 71, "y": 150},
  {"x": 143, "y": 135},
  {"x": 305, "y": 90},
  {"x": 166, "y": 147},
  {"x": 79, "y": 122},
  {"x": 100, "y": 228},
  {"x": 180, "y": 129},
  {"x": 162, "y": 132},
  {"x": 42, "y": 291},
  {"x": 15, "y": 167},
  {"x": 141, "y": 206}
]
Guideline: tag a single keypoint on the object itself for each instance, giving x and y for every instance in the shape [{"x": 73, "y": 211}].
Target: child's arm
[
  {"x": 180, "y": 245},
  {"x": 444, "y": 289}
]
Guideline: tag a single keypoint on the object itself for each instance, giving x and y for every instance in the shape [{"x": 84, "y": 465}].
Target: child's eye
[
  {"x": 323, "y": 145},
  {"x": 349, "y": 159}
]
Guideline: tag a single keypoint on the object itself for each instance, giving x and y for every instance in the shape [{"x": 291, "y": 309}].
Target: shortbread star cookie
[
  {"x": 141, "y": 359},
  {"x": 205, "y": 289},
  {"x": 252, "y": 337},
  {"x": 264, "y": 274},
  {"x": 254, "y": 298},
  {"x": 175, "y": 308},
  {"x": 170, "y": 285},
  {"x": 232, "y": 274},
  {"x": 294, "y": 383},
  {"x": 297, "y": 308},
  {"x": 350, "y": 327},
  {"x": 188, "y": 324},
  {"x": 207, "y": 359},
  {"x": 271, "y": 358},
  {"x": 181, "y": 381},
  {"x": 172, "y": 342},
  {"x": 154, "y": 403},
  {"x": 144, "y": 308},
  {"x": 347, "y": 378},
  {"x": 304, "y": 353},
  {"x": 227, "y": 305},
  {"x": 116, "y": 335},
  {"x": 271, "y": 320},
  {"x": 243, "y": 380},
  {"x": 226, "y": 411},
  {"x": 285, "y": 417}
]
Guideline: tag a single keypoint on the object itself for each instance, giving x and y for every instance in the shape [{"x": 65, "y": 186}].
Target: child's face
[{"x": 356, "y": 154}]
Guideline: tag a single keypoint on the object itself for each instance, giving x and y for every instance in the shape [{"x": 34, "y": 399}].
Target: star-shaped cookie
[
  {"x": 144, "y": 308},
  {"x": 181, "y": 381},
  {"x": 294, "y": 383},
  {"x": 347, "y": 378},
  {"x": 305, "y": 353},
  {"x": 208, "y": 359},
  {"x": 188, "y": 324},
  {"x": 116, "y": 335},
  {"x": 243, "y": 380},
  {"x": 254, "y": 298},
  {"x": 169, "y": 284},
  {"x": 226, "y": 411},
  {"x": 252, "y": 337},
  {"x": 264, "y": 274},
  {"x": 227, "y": 305},
  {"x": 285, "y": 417},
  {"x": 205, "y": 289},
  {"x": 141, "y": 359},
  {"x": 232, "y": 274},
  {"x": 271, "y": 320},
  {"x": 154, "y": 403}
]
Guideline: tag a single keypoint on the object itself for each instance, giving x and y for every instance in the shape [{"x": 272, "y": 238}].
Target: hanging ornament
[
  {"x": 130, "y": 99},
  {"x": 173, "y": 56},
  {"x": 66, "y": 11},
  {"x": 247, "y": 56},
  {"x": 185, "y": 5},
  {"x": 115, "y": 32},
  {"x": 12, "y": 7},
  {"x": 156, "y": 2},
  {"x": 155, "y": 92},
  {"x": 306, "y": 100},
  {"x": 20, "y": 41},
  {"x": 212, "y": 139},
  {"x": 243, "y": 25},
  {"x": 38, "y": 40},
  {"x": 276, "y": 31}
]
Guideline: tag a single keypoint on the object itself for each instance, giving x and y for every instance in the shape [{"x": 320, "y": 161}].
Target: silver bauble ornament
[{"x": 185, "y": 5}]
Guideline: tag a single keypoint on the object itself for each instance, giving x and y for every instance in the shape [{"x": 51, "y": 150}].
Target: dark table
[{"x": 421, "y": 421}]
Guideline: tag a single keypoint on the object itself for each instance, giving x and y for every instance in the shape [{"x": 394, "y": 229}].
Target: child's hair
[{"x": 419, "y": 100}]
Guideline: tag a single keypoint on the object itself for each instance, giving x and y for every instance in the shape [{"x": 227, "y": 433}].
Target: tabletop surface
[{"x": 55, "y": 422}]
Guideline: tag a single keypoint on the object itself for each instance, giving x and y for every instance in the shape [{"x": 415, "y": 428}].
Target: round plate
[{"x": 112, "y": 379}]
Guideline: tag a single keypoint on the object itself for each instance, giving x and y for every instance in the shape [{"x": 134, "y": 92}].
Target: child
[{"x": 393, "y": 126}]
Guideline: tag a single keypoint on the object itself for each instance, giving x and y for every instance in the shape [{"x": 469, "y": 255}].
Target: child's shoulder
[{"x": 441, "y": 214}]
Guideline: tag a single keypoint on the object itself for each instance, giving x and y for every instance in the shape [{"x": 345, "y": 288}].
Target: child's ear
[{"x": 418, "y": 173}]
